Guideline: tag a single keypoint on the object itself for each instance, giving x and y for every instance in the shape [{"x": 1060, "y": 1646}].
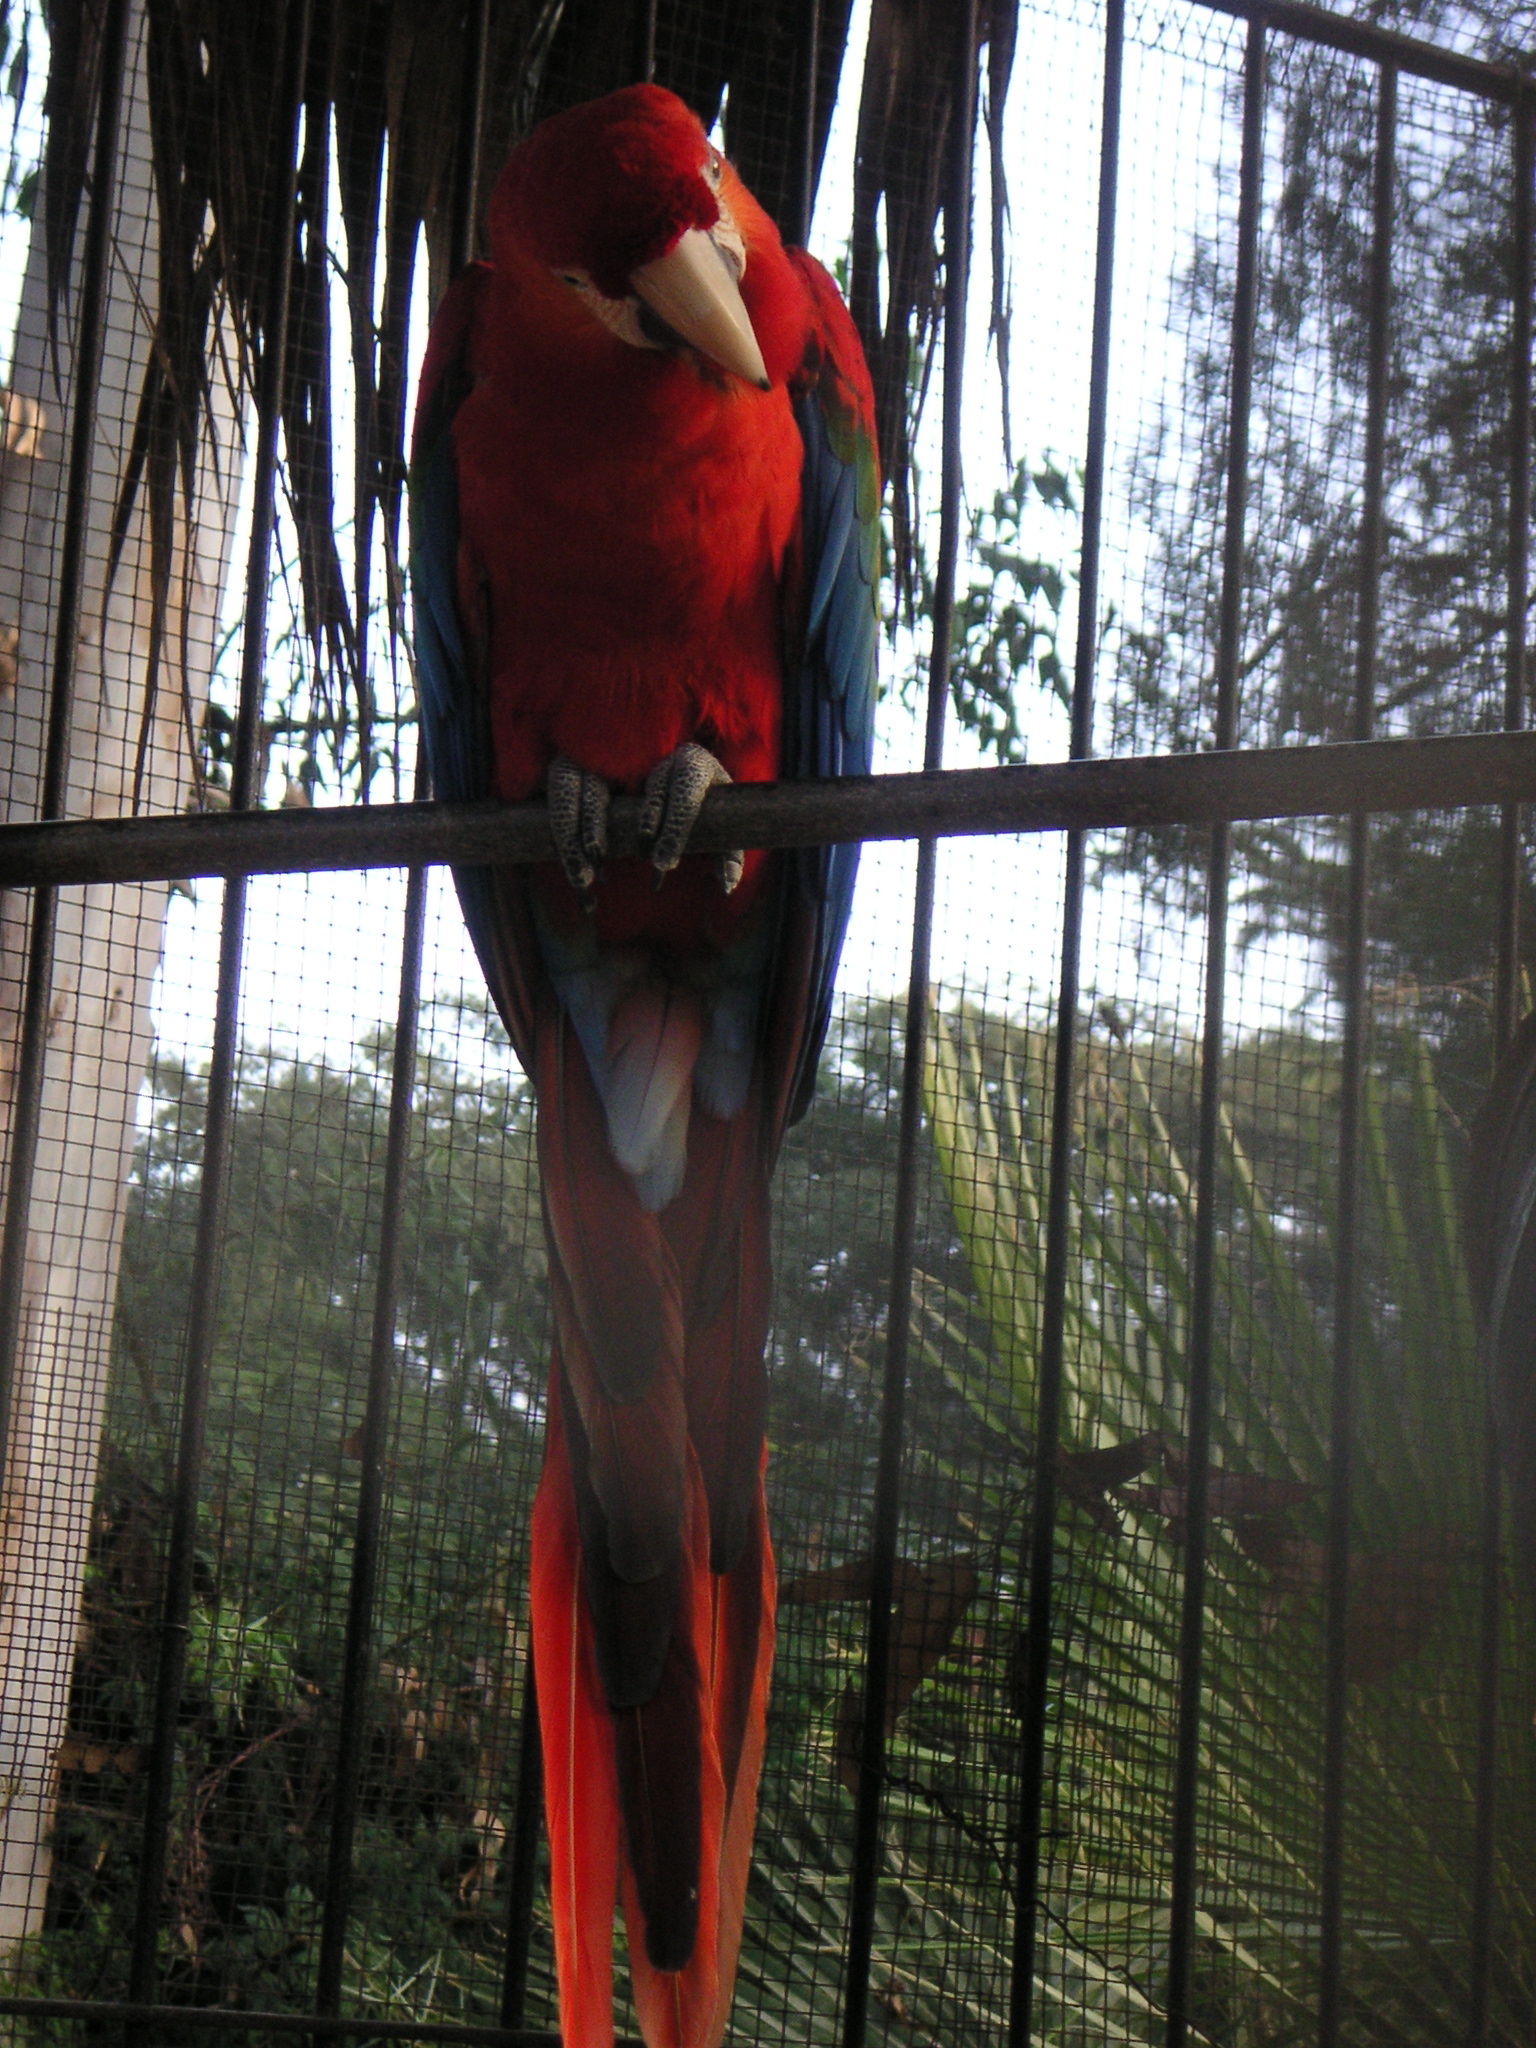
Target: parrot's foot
[
  {"x": 669, "y": 810},
  {"x": 578, "y": 822}
]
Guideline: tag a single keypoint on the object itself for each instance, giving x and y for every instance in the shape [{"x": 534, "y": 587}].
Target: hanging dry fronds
[
  {"x": 906, "y": 120},
  {"x": 384, "y": 91}
]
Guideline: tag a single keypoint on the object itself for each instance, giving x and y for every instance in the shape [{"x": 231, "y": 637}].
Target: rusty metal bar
[
  {"x": 466, "y": 180},
  {"x": 643, "y": 32},
  {"x": 810, "y": 58}
]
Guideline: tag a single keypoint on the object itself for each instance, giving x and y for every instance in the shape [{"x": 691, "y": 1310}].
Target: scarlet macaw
[{"x": 644, "y": 503}]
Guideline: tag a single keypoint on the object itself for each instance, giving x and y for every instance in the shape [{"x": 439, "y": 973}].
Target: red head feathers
[
  {"x": 625, "y": 206},
  {"x": 607, "y": 186}
]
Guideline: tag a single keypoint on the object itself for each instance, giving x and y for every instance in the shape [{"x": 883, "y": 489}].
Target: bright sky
[{"x": 322, "y": 952}]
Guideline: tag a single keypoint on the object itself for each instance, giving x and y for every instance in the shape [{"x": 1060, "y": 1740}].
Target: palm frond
[{"x": 383, "y": 97}]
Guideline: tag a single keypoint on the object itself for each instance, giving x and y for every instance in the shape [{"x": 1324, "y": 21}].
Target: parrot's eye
[
  {"x": 712, "y": 169},
  {"x": 573, "y": 278}
]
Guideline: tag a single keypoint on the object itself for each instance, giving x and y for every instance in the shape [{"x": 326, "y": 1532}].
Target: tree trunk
[{"x": 108, "y": 949}]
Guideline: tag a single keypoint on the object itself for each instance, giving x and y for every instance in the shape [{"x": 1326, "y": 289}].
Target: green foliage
[
  {"x": 258, "y": 1723},
  {"x": 1114, "y": 1649},
  {"x": 21, "y": 30},
  {"x": 1008, "y": 618},
  {"x": 258, "y": 1728},
  {"x": 1442, "y": 645},
  {"x": 259, "y": 1708}
]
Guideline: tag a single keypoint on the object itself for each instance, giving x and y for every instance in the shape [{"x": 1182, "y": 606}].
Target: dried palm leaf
[{"x": 384, "y": 88}]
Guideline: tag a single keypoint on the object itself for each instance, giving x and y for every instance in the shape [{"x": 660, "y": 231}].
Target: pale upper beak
[{"x": 694, "y": 289}]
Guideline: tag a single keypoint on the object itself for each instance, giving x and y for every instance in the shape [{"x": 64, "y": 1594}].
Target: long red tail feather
[
  {"x": 656, "y": 1620},
  {"x": 581, "y": 1794},
  {"x": 674, "y": 2004}
]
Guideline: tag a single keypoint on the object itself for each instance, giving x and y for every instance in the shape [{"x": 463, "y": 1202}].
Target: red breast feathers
[{"x": 628, "y": 502}]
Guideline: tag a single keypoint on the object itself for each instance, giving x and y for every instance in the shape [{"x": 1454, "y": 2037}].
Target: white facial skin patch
[{"x": 624, "y": 317}]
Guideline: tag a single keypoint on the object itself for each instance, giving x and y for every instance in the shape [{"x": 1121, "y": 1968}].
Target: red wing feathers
[{"x": 839, "y": 354}]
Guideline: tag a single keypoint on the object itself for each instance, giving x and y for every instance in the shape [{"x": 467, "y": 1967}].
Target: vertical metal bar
[
  {"x": 370, "y": 1501},
  {"x": 1507, "y": 984},
  {"x": 811, "y": 58},
  {"x": 644, "y": 66},
  {"x": 1203, "y": 1294},
  {"x": 523, "y": 1851},
  {"x": 528, "y": 1812},
  {"x": 522, "y": 1862},
  {"x": 203, "y": 1303},
  {"x": 368, "y": 1526},
  {"x": 887, "y": 1503},
  {"x": 1053, "y": 1317},
  {"x": 1346, "y": 1283},
  {"x": 37, "y": 998},
  {"x": 1506, "y": 1012},
  {"x": 466, "y": 182}
]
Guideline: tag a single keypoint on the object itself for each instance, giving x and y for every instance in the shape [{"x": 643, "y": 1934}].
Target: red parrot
[{"x": 644, "y": 527}]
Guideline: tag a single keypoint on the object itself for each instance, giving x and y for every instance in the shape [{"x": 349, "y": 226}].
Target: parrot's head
[{"x": 624, "y": 209}]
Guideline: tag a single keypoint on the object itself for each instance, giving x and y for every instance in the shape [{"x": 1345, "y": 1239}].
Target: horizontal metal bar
[
  {"x": 1501, "y": 82},
  {"x": 226, "y": 2019},
  {"x": 1058, "y": 796}
]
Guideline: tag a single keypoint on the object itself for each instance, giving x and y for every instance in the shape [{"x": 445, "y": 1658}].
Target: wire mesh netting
[{"x": 1159, "y": 1187}]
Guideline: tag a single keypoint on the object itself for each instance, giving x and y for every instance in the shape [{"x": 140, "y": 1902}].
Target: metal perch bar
[{"x": 1233, "y": 784}]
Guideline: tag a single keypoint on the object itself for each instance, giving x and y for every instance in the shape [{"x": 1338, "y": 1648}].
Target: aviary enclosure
[{"x": 1153, "y": 1657}]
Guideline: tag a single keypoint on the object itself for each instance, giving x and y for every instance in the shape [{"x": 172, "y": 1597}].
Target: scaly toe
[
  {"x": 578, "y": 821},
  {"x": 674, "y": 791}
]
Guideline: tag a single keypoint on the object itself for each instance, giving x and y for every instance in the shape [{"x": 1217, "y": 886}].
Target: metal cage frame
[{"x": 1212, "y": 789}]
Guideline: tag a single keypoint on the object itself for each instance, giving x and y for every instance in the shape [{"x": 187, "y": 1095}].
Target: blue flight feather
[{"x": 829, "y": 724}]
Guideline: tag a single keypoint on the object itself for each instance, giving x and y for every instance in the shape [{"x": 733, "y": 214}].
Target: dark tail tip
[{"x": 671, "y": 1928}]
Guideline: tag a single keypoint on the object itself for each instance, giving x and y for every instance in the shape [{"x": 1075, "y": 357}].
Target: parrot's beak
[{"x": 693, "y": 288}]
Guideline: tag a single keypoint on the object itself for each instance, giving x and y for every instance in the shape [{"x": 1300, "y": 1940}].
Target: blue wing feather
[
  {"x": 830, "y": 729},
  {"x": 455, "y": 709},
  {"x": 447, "y": 707}
]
